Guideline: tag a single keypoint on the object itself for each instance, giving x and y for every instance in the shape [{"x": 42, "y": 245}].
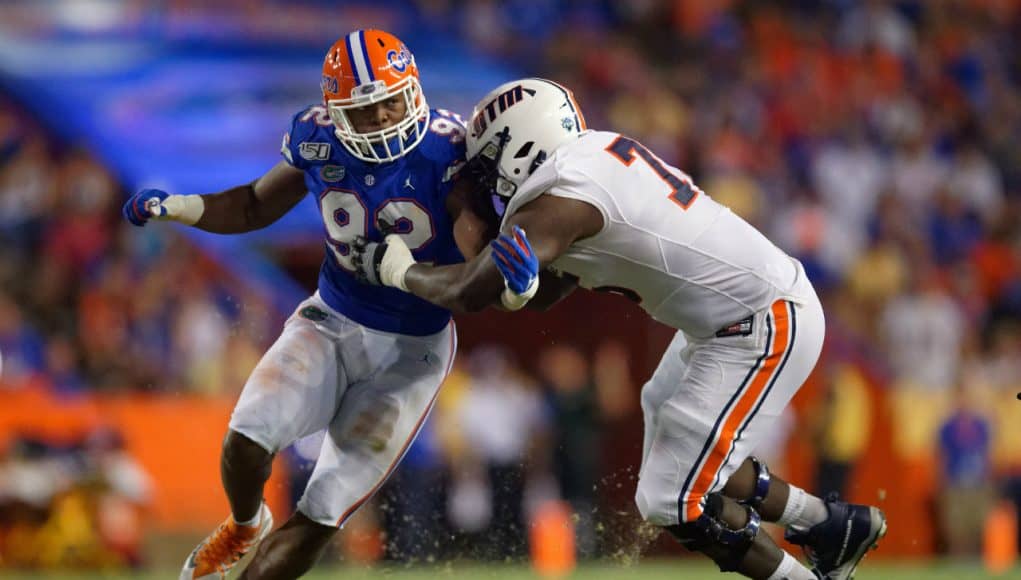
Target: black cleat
[{"x": 837, "y": 545}]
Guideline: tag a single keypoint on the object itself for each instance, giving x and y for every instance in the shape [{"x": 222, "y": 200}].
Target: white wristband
[
  {"x": 396, "y": 262},
  {"x": 187, "y": 209},
  {"x": 397, "y": 277},
  {"x": 511, "y": 300}
]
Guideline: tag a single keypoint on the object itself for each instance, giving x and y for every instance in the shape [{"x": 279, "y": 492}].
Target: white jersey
[{"x": 692, "y": 263}]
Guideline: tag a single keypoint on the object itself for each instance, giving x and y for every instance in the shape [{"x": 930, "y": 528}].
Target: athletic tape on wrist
[
  {"x": 187, "y": 209},
  {"x": 511, "y": 300}
]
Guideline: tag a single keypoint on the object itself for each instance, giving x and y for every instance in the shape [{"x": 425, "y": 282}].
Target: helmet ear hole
[{"x": 524, "y": 151}]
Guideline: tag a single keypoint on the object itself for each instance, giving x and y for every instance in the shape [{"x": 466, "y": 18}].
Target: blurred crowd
[
  {"x": 90, "y": 303},
  {"x": 879, "y": 141}
]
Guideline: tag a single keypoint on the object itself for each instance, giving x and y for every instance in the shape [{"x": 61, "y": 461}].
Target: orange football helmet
[{"x": 366, "y": 67}]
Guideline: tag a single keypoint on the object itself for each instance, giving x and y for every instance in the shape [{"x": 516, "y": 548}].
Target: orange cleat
[{"x": 225, "y": 547}]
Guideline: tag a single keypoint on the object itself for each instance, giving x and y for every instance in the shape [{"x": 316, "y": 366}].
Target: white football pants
[
  {"x": 711, "y": 400},
  {"x": 371, "y": 390}
]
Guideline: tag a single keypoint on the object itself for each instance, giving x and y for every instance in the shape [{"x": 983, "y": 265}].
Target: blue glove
[
  {"x": 145, "y": 205},
  {"x": 514, "y": 257}
]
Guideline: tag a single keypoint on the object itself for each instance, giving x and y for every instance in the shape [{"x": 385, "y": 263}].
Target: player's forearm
[
  {"x": 236, "y": 210},
  {"x": 451, "y": 287}
]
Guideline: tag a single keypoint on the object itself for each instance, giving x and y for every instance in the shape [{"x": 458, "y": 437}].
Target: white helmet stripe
[{"x": 356, "y": 48}]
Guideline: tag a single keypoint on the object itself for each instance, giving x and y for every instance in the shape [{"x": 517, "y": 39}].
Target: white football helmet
[{"x": 515, "y": 128}]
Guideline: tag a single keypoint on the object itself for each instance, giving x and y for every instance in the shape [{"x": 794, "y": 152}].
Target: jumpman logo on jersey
[{"x": 407, "y": 183}]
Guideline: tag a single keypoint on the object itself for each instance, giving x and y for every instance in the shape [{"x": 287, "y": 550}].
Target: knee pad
[
  {"x": 762, "y": 480},
  {"x": 712, "y": 536}
]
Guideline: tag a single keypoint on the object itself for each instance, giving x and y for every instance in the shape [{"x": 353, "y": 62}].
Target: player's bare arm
[
  {"x": 476, "y": 224},
  {"x": 255, "y": 205},
  {"x": 236, "y": 210},
  {"x": 473, "y": 227},
  {"x": 552, "y": 225},
  {"x": 514, "y": 252}
]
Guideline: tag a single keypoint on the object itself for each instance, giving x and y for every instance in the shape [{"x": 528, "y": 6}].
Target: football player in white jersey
[{"x": 602, "y": 211}]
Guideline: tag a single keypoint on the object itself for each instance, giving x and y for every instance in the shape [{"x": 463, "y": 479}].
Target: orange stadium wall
[{"x": 176, "y": 438}]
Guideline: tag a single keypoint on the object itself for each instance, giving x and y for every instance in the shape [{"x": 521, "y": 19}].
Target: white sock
[
  {"x": 252, "y": 522},
  {"x": 803, "y": 510},
  {"x": 791, "y": 569}
]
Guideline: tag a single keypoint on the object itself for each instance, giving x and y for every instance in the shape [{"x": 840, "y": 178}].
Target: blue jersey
[{"x": 410, "y": 192}]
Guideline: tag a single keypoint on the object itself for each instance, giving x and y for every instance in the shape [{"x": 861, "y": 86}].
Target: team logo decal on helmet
[
  {"x": 328, "y": 84},
  {"x": 505, "y": 100},
  {"x": 400, "y": 60}
]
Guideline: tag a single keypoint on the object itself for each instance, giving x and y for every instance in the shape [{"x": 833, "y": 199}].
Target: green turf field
[{"x": 672, "y": 570}]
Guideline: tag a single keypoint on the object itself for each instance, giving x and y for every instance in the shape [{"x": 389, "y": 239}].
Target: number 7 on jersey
[{"x": 627, "y": 150}]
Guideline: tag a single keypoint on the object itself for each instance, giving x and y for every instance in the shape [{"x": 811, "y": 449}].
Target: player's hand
[
  {"x": 382, "y": 263},
  {"x": 145, "y": 205},
  {"x": 515, "y": 259}
]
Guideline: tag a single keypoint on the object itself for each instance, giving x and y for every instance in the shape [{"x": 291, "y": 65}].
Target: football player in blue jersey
[{"x": 362, "y": 362}]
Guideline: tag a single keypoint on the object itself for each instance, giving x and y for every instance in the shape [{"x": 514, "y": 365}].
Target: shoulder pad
[{"x": 445, "y": 140}]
